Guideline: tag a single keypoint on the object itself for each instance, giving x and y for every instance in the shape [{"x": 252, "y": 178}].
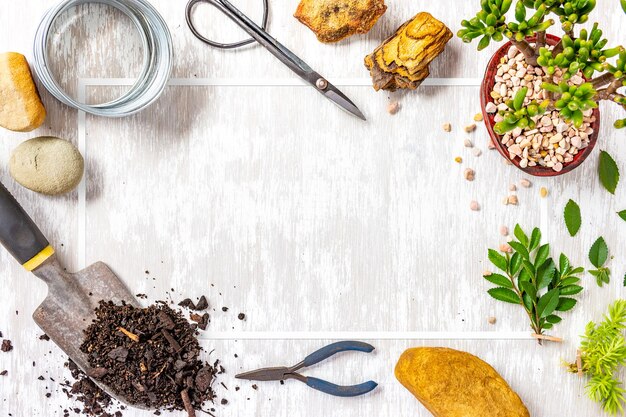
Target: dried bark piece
[
  {"x": 451, "y": 383},
  {"x": 334, "y": 20},
  {"x": 402, "y": 60}
]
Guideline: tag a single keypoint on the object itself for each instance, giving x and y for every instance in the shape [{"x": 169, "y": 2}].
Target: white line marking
[
  {"x": 82, "y": 187},
  {"x": 274, "y": 82},
  {"x": 243, "y": 335}
]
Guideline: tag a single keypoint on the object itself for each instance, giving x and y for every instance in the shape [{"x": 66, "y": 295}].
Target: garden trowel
[{"x": 72, "y": 298}]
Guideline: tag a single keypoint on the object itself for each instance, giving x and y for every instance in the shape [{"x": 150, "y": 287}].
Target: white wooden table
[{"x": 245, "y": 185}]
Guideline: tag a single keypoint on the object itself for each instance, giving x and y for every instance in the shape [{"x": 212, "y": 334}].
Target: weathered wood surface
[{"x": 248, "y": 187}]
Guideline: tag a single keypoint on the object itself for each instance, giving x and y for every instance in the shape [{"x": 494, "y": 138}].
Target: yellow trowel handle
[{"x": 20, "y": 235}]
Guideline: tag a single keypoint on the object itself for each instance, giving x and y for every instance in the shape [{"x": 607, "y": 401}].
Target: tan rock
[
  {"x": 451, "y": 383},
  {"x": 47, "y": 165},
  {"x": 334, "y": 20},
  {"x": 402, "y": 60},
  {"x": 21, "y": 109}
]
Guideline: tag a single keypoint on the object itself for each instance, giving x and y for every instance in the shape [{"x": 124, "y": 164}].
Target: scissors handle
[
  {"x": 334, "y": 348},
  {"x": 188, "y": 16},
  {"x": 340, "y": 390},
  {"x": 255, "y": 31}
]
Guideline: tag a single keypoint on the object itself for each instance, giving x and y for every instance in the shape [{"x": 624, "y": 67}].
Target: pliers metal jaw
[{"x": 283, "y": 373}]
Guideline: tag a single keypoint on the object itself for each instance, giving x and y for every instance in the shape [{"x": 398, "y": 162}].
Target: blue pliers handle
[{"x": 282, "y": 373}]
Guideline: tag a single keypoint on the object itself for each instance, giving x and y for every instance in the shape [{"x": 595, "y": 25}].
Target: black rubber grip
[{"x": 18, "y": 233}]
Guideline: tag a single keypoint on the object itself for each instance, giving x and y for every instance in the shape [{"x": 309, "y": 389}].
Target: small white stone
[
  {"x": 490, "y": 108},
  {"x": 477, "y": 152},
  {"x": 468, "y": 143}
]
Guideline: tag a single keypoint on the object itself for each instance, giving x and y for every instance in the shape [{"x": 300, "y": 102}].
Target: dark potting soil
[
  {"x": 149, "y": 356},
  {"x": 7, "y": 346}
]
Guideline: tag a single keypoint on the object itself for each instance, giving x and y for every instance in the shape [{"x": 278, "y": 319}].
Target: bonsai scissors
[
  {"x": 287, "y": 57},
  {"x": 283, "y": 373}
]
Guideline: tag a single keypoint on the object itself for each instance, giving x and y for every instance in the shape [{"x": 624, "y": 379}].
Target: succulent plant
[
  {"x": 573, "y": 100},
  {"x": 519, "y": 116},
  {"x": 524, "y": 28},
  {"x": 574, "y": 12},
  {"x": 489, "y": 23},
  {"x": 583, "y": 54}
]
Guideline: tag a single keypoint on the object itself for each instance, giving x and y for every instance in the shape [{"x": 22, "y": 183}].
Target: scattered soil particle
[
  {"x": 162, "y": 369},
  {"x": 6, "y": 346},
  {"x": 202, "y": 304},
  {"x": 44, "y": 337},
  {"x": 241, "y": 316},
  {"x": 202, "y": 320},
  {"x": 224, "y": 309},
  {"x": 4, "y": 373}
]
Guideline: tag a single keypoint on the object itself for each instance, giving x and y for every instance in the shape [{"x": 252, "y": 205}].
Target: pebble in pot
[{"x": 47, "y": 165}]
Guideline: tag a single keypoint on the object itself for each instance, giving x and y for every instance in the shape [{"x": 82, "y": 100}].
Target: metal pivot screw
[{"x": 321, "y": 83}]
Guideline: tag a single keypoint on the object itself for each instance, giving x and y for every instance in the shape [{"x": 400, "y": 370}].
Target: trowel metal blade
[{"x": 69, "y": 307}]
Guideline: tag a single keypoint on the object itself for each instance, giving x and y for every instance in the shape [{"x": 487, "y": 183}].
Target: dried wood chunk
[
  {"x": 334, "y": 20},
  {"x": 402, "y": 60}
]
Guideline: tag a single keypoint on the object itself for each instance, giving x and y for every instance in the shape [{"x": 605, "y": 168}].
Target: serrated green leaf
[
  {"x": 529, "y": 289},
  {"x": 520, "y": 235},
  {"x": 528, "y": 302},
  {"x": 570, "y": 281},
  {"x": 548, "y": 303},
  {"x": 622, "y": 214},
  {"x": 545, "y": 274},
  {"x": 608, "y": 172},
  {"x": 542, "y": 254},
  {"x": 571, "y": 289},
  {"x": 515, "y": 263},
  {"x": 564, "y": 264},
  {"x": 535, "y": 239},
  {"x": 598, "y": 253},
  {"x": 504, "y": 294},
  {"x": 572, "y": 217},
  {"x": 499, "y": 280},
  {"x": 565, "y": 304},
  {"x": 553, "y": 319},
  {"x": 576, "y": 271},
  {"x": 521, "y": 249},
  {"x": 498, "y": 260},
  {"x": 603, "y": 276}
]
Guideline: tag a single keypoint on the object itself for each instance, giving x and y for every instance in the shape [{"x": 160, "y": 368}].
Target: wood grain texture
[{"x": 262, "y": 195}]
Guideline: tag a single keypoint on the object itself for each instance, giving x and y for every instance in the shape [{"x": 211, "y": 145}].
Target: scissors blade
[
  {"x": 265, "y": 374},
  {"x": 336, "y": 96}
]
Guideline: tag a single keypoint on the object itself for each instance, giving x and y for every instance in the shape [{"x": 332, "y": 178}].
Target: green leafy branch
[
  {"x": 531, "y": 278},
  {"x": 602, "y": 354},
  {"x": 598, "y": 254}
]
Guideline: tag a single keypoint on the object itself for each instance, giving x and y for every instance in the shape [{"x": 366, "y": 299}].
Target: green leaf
[
  {"x": 499, "y": 280},
  {"x": 603, "y": 276},
  {"x": 572, "y": 217},
  {"x": 520, "y": 235},
  {"x": 571, "y": 289},
  {"x": 576, "y": 271},
  {"x": 548, "y": 303},
  {"x": 624, "y": 280},
  {"x": 528, "y": 302},
  {"x": 570, "y": 281},
  {"x": 564, "y": 264},
  {"x": 547, "y": 326},
  {"x": 598, "y": 253},
  {"x": 609, "y": 172},
  {"x": 545, "y": 274},
  {"x": 529, "y": 289},
  {"x": 622, "y": 214},
  {"x": 504, "y": 294},
  {"x": 565, "y": 304},
  {"x": 554, "y": 319},
  {"x": 535, "y": 239},
  {"x": 521, "y": 249},
  {"x": 498, "y": 260},
  {"x": 515, "y": 264},
  {"x": 542, "y": 254}
]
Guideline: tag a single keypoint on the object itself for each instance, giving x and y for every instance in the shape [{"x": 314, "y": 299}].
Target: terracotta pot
[{"x": 485, "y": 97}]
